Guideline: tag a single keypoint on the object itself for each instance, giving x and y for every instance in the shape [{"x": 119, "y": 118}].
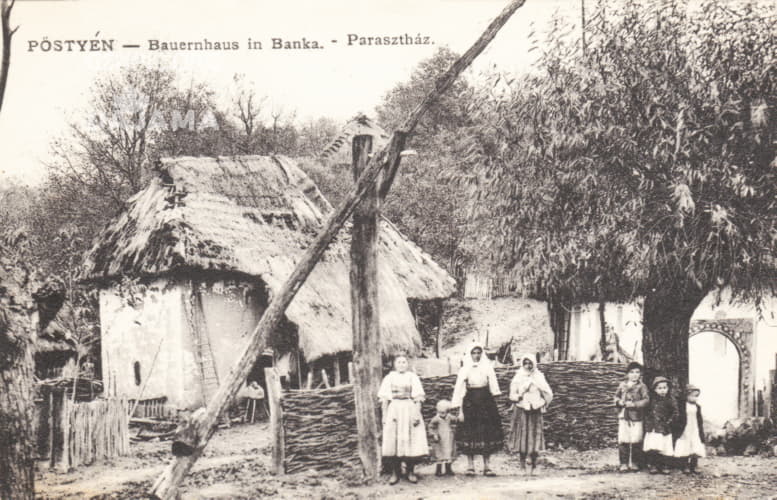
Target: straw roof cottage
[{"x": 211, "y": 240}]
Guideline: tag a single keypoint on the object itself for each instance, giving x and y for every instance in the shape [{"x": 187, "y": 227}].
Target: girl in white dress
[
  {"x": 404, "y": 433},
  {"x": 690, "y": 445}
]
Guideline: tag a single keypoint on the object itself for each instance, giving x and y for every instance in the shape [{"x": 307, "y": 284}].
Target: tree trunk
[
  {"x": 558, "y": 313},
  {"x": 603, "y": 332},
  {"x": 666, "y": 319},
  {"x": 17, "y": 450}
]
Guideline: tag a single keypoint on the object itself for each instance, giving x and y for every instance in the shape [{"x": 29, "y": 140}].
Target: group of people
[
  {"x": 469, "y": 423},
  {"x": 652, "y": 430}
]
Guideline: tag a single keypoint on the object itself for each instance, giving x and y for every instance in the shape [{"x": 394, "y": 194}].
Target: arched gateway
[{"x": 740, "y": 333}]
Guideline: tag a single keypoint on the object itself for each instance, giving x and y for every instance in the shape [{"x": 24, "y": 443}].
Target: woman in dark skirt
[
  {"x": 480, "y": 429},
  {"x": 531, "y": 394}
]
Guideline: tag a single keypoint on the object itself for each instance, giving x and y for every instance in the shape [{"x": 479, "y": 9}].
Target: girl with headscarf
[
  {"x": 480, "y": 428},
  {"x": 404, "y": 433},
  {"x": 531, "y": 395}
]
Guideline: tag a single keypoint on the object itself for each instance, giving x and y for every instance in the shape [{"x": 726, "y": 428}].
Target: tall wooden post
[
  {"x": 273, "y": 381},
  {"x": 364, "y": 314}
]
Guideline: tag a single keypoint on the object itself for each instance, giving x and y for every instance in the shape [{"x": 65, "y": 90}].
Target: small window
[{"x": 136, "y": 367}]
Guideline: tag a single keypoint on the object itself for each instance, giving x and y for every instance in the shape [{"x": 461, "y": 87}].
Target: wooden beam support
[
  {"x": 203, "y": 426},
  {"x": 364, "y": 314},
  {"x": 274, "y": 395}
]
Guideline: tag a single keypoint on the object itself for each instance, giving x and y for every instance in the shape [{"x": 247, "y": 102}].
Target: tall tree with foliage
[
  {"x": 425, "y": 203},
  {"x": 641, "y": 168}
]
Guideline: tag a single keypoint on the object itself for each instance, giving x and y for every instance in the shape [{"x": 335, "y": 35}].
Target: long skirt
[
  {"x": 662, "y": 443},
  {"x": 481, "y": 431},
  {"x": 400, "y": 437},
  {"x": 526, "y": 434}
]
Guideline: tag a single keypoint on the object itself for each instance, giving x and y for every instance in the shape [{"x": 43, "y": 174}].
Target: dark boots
[
  {"x": 448, "y": 469},
  {"x": 533, "y": 458},
  {"x": 623, "y": 457},
  {"x": 396, "y": 469},
  {"x": 523, "y": 462},
  {"x": 438, "y": 470},
  {"x": 410, "y": 472}
]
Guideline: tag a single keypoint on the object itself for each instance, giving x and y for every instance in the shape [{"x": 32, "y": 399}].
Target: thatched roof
[
  {"x": 339, "y": 150},
  {"x": 255, "y": 215}
]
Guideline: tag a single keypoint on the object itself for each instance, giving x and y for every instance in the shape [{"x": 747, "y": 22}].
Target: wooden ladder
[{"x": 209, "y": 376}]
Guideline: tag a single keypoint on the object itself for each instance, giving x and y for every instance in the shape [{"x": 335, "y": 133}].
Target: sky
[{"x": 48, "y": 89}]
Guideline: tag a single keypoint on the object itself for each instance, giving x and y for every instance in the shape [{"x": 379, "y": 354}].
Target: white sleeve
[
  {"x": 384, "y": 392},
  {"x": 417, "y": 391},
  {"x": 460, "y": 388},
  {"x": 493, "y": 383}
]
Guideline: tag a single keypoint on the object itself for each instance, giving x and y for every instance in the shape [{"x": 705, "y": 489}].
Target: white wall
[
  {"x": 714, "y": 368},
  {"x": 585, "y": 330},
  {"x": 163, "y": 313},
  {"x": 134, "y": 332}
]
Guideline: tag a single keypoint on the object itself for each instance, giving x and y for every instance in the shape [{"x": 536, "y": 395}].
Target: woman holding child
[{"x": 531, "y": 394}]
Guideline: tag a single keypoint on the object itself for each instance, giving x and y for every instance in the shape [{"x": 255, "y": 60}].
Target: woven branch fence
[{"x": 320, "y": 426}]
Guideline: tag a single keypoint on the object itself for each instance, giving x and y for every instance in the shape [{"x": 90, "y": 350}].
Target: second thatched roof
[{"x": 255, "y": 215}]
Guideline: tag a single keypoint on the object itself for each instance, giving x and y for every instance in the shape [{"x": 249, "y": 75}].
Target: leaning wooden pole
[
  {"x": 364, "y": 314},
  {"x": 195, "y": 434}
]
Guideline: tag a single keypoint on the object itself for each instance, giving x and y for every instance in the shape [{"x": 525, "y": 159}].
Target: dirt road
[{"x": 236, "y": 466}]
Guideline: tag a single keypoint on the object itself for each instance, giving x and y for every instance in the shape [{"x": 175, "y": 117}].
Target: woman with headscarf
[
  {"x": 531, "y": 395},
  {"x": 480, "y": 429}
]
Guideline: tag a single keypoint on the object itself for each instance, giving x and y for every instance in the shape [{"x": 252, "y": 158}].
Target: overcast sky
[{"x": 46, "y": 89}]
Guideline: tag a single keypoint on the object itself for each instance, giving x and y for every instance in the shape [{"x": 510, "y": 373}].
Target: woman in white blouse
[
  {"x": 480, "y": 428},
  {"x": 404, "y": 433}
]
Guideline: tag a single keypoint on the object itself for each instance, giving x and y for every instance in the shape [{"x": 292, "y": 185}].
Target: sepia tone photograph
[{"x": 401, "y": 249}]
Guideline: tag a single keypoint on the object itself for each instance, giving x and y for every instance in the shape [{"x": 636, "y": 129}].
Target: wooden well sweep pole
[
  {"x": 194, "y": 436},
  {"x": 364, "y": 314}
]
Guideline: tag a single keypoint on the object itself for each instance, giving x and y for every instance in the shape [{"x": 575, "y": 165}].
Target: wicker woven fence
[{"x": 320, "y": 426}]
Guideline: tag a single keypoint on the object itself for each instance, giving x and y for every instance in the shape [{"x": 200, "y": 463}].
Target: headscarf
[
  {"x": 467, "y": 361},
  {"x": 535, "y": 376}
]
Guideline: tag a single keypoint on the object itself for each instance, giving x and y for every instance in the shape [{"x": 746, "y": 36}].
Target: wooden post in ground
[
  {"x": 336, "y": 369},
  {"x": 351, "y": 376},
  {"x": 364, "y": 314},
  {"x": 325, "y": 379},
  {"x": 274, "y": 395},
  {"x": 194, "y": 434}
]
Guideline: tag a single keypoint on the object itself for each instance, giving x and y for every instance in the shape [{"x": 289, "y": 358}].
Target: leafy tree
[
  {"x": 425, "y": 203},
  {"x": 641, "y": 168}
]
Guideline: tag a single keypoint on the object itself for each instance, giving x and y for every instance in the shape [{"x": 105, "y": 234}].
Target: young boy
[{"x": 631, "y": 398}]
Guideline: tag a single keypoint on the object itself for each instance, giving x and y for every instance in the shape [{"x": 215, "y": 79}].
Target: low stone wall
[{"x": 320, "y": 426}]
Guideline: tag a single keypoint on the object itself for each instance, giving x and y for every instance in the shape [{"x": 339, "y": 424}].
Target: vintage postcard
[{"x": 470, "y": 249}]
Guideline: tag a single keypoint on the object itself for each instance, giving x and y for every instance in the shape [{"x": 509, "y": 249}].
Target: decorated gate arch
[{"x": 740, "y": 333}]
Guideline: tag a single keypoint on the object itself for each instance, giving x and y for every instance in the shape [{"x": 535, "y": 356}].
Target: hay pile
[{"x": 320, "y": 426}]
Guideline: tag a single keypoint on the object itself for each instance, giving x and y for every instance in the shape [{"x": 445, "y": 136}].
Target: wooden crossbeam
[{"x": 194, "y": 435}]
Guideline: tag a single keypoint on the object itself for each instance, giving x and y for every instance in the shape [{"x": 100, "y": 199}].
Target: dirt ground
[{"x": 236, "y": 464}]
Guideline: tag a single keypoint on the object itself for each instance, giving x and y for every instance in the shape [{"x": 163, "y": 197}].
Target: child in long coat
[
  {"x": 631, "y": 398},
  {"x": 442, "y": 429},
  {"x": 662, "y": 411},
  {"x": 690, "y": 424}
]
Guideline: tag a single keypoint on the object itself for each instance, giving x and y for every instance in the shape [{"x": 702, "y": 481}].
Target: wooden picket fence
[
  {"x": 479, "y": 286},
  {"x": 92, "y": 431}
]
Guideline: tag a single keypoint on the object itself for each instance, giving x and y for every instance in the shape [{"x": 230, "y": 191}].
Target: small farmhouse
[{"x": 186, "y": 271}]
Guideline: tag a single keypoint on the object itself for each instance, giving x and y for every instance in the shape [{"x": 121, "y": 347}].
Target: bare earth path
[{"x": 236, "y": 466}]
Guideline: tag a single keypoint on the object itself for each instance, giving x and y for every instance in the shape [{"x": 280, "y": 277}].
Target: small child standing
[
  {"x": 690, "y": 445},
  {"x": 442, "y": 428},
  {"x": 631, "y": 398},
  {"x": 661, "y": 414}
]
